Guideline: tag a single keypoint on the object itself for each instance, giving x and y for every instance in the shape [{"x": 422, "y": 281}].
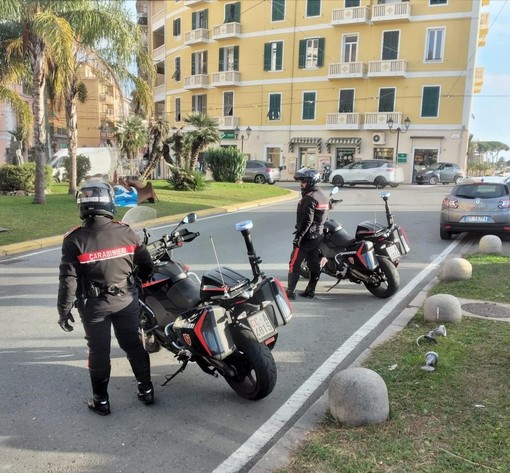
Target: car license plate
[
  {"x": 476, "y": 219},
  {"x": 393, "y": 252},
  {"x": 261, "y": 325}
]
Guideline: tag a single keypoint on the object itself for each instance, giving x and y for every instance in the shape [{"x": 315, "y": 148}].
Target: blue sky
[{"x": 491, "y": 106}]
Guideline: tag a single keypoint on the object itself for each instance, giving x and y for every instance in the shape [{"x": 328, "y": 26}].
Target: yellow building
[{"x": 322, "y": 81}]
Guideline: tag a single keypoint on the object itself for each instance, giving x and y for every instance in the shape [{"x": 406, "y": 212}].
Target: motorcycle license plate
[
  {"x": 393, "y": 252},
  {"x": 261, "y": 325}
]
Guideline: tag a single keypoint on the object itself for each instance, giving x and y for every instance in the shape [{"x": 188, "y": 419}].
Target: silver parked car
[
  {"x": 441, "y": 172},
  {"x": 261, "y": 172},
  {"x": 476, "y": 205}
]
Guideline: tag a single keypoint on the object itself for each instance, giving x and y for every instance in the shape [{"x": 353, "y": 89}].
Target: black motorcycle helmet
[
  {"x": 311, "y": 177},
  {"x": 96, "y": 198}
]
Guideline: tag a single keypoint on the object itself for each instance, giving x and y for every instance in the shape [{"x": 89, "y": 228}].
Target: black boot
[
  {"x": 146, "y": 393},
  {"x": 292, "y": 280},
  {"x": 99, "y": 406},
  {"x": 309, "y": 292},
  {"x": 99, "y": 380}
]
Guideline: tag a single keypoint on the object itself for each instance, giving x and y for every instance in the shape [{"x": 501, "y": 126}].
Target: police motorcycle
[
  {"x": 370, "y": 257},
  {"x": 224, "y": 322}
]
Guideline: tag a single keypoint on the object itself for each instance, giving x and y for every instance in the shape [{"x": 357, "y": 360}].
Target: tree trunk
[{"x": 72, "y": 134}]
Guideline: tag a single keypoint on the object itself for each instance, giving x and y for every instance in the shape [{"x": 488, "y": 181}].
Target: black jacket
[
  {"x": 312, "y": 212},
  {"x": 102, "y": 253}
]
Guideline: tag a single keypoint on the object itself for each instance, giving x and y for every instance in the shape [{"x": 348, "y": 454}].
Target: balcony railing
[
  {"x": 159, "y": 92},
  {"x": 158, "y": 54},
  {"x": 396, "y": 67},
  {"x": 343, "y": 121},
  {"x": 379, "y": 120},
  {"x": 346, "y": 16},
  {"x": 197, "y": 81},
  {"x": 225, "y": 79},
  {"x": 228, "y": 122},
  {"x": 191, "y": 2},
  {"x": 391, "y": 11},
  {"x": 196, "y": 36},
  {"x": 226, "y": 30},
  {"x": 346, "y": 70}
]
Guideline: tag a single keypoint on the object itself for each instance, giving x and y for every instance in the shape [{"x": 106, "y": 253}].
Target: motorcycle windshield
[{"x": 139, "y": 214}]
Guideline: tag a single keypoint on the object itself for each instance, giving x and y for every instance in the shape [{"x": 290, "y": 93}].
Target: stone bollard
[
  {"x": 456, "y": 269},
  {"x": 442, "y": 308},
  {"x": 358, "y": 396},
  {"x": 490, "y": 244}
]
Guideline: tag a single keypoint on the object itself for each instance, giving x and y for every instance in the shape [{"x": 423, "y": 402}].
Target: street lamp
[
  {"x": 398, "y": 130},
  {"x": 237, "y": 132}
]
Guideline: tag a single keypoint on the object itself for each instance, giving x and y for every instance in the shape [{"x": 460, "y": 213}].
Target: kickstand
[
  {"x": 334, "y": 285},
  {"x": 180, "y": 370}
]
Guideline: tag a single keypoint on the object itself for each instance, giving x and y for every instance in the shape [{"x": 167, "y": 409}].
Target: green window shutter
[
  {"x": 351, "y": 3},
  {"x": 390, "y": 45},
  {"x": 236, "y": 58},
  {"x": 309, "y": 106},
  {"x": 279, "y": 56},
  {"x": 193, "y": 69},
  {"x": 193, "y": 21},
  {"x": 278, "y": 10},
  {"x": 274, "y": 106},
  {"x": 237, "y": 12},
  {"x": 206, "y": 19},
  {"x": 267, "y": 56},
  {"x": 313, "y": 7},
  {"x": 320, "y": 55},
  {"x": 346, "y": 104},
  {"x": 430, "y": 102},
  {"x": 386, "y": 100},
  {"x": 221, "y": 60},
  {"x": 302, "y": 54}
]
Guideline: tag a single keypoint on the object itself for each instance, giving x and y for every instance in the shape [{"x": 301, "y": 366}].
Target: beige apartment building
[{"x": 307, "y": 82}]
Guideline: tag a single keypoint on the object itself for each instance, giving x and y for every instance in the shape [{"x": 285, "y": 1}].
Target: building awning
[
  {"x": 356, "y": 142},
  {"x": 305, "y": 140},
  {"x": 427, "y": 137}
]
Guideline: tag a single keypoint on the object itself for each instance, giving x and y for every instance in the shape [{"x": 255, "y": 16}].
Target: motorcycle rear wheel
[
  {"x": 254, "y": 365},
  {"x": 389, "y": 280}
]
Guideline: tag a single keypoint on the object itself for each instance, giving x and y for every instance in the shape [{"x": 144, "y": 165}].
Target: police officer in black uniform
[
  {"x": 312, "y": 212},
  {"x": 96, "y": 274}
]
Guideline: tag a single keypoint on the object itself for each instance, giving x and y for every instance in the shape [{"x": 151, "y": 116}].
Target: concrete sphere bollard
[
  {"x": 358, "y": 396},
  {"x": 456, "y": 269},
  {"x": 490, "y": 244},
  {"x": 442, "y": 308}
]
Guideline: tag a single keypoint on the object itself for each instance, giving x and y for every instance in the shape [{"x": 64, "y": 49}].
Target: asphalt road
[{"x": 198, "y": 423}]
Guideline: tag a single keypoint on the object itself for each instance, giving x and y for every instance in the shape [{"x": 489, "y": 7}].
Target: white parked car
[{"x": 377, "y": 172}]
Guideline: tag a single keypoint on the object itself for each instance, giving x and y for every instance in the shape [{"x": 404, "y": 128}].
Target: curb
[{"x": 15, "y": 248}]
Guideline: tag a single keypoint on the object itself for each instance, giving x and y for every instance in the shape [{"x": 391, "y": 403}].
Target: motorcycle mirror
[
  {"x": 385, "y": 195},
  {"x": 334, "y": 190},
  {"x": 190, "y": 218}
]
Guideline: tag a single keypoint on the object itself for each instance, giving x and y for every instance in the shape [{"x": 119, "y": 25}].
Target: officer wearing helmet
[
  {"x": 312, "y": 212},
  {"x": 96, "y": 275}
]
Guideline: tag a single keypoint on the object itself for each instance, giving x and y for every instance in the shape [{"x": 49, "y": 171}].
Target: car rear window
[
  {"x": 481, "y": 191},
  {"x": 269, "y": 165}
]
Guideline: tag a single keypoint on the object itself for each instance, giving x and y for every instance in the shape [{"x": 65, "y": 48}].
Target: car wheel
[
  {"x": 338, "y": 181},
  {"x": 352, "y": 184},
  {"x": 380, "y": 182},
  {"x": 458, "y": 179},
  {"x": 444, "y": 234},
  {"x": 433, "y": 180},
  {"x": 259, "y": 179},
  {"x": 393, "y": 184}
]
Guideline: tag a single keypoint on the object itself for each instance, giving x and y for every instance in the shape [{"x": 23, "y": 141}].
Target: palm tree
[
  {"x": 203, "y": 132},
  {"x": 159, "y": 130},
  {"x": 131, "y": 134}
]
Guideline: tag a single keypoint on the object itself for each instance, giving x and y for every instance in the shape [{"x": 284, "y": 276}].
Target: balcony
[
  {"x": 188, "y": 3},
  {"x": 228, "y": 122},
  {"x": 159, "y": 92},
  {"x": 346, "y": 70},
  {"x": 158, "y": 54},
  {"x": 349, "y": 16},
  {"x": 379, "y": 120},
  {"x": 226, "y": 79},
  {"x": 392, "y": 68},
  {"x": 200, "y": 35},
  {"x": 343, "y": 121},
  {"x": 142, "y": 20},
  {"x": 479, "y": 74},
  {"x": 227, "y": 30},
  {"x": 198, "y": 81},
  {"x": 391, "y": 12}
]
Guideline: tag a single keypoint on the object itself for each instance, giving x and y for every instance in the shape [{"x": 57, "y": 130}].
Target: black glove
[
  {"x": 63, "y": 321},
  {"x": 297, "y": 242}
]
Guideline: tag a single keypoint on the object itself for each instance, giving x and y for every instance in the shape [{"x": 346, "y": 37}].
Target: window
[
  {"x": 313, "y": 7},
  {"x": 352, "y": 3},
  {"x": 435, "y": 41},
  {"x": 390, "y": 45},
  {"x": 430, "y": 101},
  {"x": 229, "y": 59},
  {"x": 228, "y": 104},
  {"x": 177, "y": 27},
  {"x": 386, "y": 100},
  {"x": 273, "y": 56},
  {"x": 233, "y": 12},
  {"x": 438, "y": 2},
  {"x": 346, "y": 102},
  {"x": 309, "y": 106},
  {"x": 199, "y": 103},
  {"x": 273, "y": 154},
  {"x": 199, "y": 63},
  {"x": 177, "y": 69},
  {"x": 350, "y": 48},
  {"x": 275, "y": 106},
  {"x": 177, "y": 116},
  {"x": 311, "y": 53},
  {"x": 199, "y": 20},
  {"x": 277, "y": 10}
]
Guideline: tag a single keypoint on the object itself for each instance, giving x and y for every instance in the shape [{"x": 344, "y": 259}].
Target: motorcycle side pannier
[
  {"x": 279, "y": 311},
  {"x": 399, "y": 237}
]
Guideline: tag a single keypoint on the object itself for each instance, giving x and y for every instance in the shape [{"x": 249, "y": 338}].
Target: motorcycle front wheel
[
  {"x": 254, "y": 365},
  {"x": 388, "y": 280}
]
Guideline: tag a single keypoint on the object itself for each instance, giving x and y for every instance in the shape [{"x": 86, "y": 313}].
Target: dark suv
[{"x": 440, "y": 172}]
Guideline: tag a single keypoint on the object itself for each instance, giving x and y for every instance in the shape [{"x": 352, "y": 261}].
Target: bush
[
  {"x": 21, "y": 178},
  {"x": 82, "y": 167},
  {"x": 184, "y": 180},
  {"x": 226, "y": 164}
]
